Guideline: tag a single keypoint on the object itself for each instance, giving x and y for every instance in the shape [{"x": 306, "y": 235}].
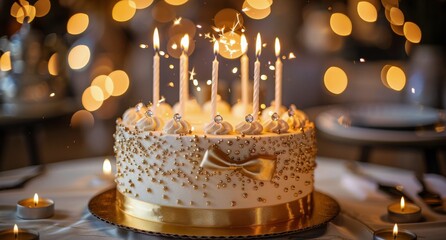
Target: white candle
[
  {"x": 278, "y": 95},
  {"x": 156, "y": 71},
  {"x": 184, "y": 73},
  {"x": 255, "y": 97},
  {"x": 214, "y": 82},
  {"x": 244, "y": 65}
]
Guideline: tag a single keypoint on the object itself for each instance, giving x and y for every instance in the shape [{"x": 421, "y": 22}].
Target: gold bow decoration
[{"x": 259, "y": 167}]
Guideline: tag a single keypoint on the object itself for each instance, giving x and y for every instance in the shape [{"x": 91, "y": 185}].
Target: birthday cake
[
  {"x": 215, "y": 166},
  {"x": 191, "y": 173}
]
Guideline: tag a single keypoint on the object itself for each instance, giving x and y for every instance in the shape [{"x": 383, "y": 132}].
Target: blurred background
[{"x": 69, "y": 68}]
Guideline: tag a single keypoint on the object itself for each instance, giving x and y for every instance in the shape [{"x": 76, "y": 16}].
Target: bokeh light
[
  {"x": 163, "y": 12},
  {"x": 185, "y": 26},
  {"x": 396, "y": 16},
  {"x": 398, "y": 30},
  {"x": 82, "y": 118},
  {"x": 53, "y": 64},
  {"x": 120, "y": 81},
  {"x": 367, "y": 11},
  {"x": 176, "y": 2},
  {"x": 124, "y": 10},
  {"x": 395, "y": 78},
  {"x": 78, "y": 57},
  {"x": 335, "y": 80},
  {"x": 412, "y": 32},
  {"x": 91, "y": 98},
  {"x": 141, "y": 4},
  {"x": 255, "y": 13},
  {"x": 77, "y": 23},
  {"x": 42, "y": 7},
  {"x": 15, "y": 8},
  {"x": 105, "y": 83},
  {"x": 229, "y": 45},
  {"x": 30, "y": 12},
  {"x": 5, "y": 62},
  {"x": 340, "y": 24},
  {"x": 260, "y": 4},
  {"x": 228, "y": 19}
]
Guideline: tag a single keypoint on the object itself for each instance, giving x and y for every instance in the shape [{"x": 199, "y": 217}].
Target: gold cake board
[{"x": 104, "y": 207}]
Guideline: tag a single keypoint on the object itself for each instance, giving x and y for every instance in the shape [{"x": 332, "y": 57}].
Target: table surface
[{"x": 71, "y": 184}]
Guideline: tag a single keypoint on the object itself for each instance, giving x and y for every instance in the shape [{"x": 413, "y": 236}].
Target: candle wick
[{"x": 16, "y": 235}]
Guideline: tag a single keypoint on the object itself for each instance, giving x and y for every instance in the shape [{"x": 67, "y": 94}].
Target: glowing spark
[
  {"x": 272, "y": 68},
  {"x": 192, "y": 74},
  {"x": 52, "y": 94},
  {"x": 235, "y": 70},
  {"x": 171, "y": 84},
  {"x": 162, "y": 53},
  {"x": 198, "y": 89},
  {"x": 207, "y": 35},
  {"x": 195, "y": 82},
  {"x": 177, "y": 21},
  {"x": 412, "y": 90},
  {"x": 174, "y": 46},
  {"x": 171, "y": 66},
  {"x": 291, "y": 56},
  {"x": 264, "y": 77},
  {"x": 199, "y": 26},
  {"x": 208, "y": 82},
  {"x": 362, "y": 60},
  {"x": 143, "y": 45},
  {"x": 245, "y": 9}
]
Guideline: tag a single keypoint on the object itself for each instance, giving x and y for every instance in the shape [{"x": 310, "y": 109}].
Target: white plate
[{"x": 392, "y": 115}]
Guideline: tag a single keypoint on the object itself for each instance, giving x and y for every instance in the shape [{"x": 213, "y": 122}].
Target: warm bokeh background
[{"x": 77, "y": 66}]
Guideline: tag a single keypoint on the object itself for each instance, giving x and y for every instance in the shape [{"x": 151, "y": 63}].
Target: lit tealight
[
  {"x": 15, "y": 233},
  {"x": 106, "y": 167},
  {"x": 35, "y": 208}
]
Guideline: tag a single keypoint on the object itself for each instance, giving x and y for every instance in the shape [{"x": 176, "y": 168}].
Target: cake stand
[{"x": 325, "y": 209}]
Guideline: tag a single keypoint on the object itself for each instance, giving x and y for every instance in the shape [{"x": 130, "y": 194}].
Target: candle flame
[
  {"x": 216, "y": 48},
  {"x": 244, "y": 44},
  {"x": 16, "y": 231},
  {"x": 395, "y": 230},
  {"x": 156, "y": 40},
  {"x": 402, "y": 204},
  {"x": 36, "y": 199},
  {"x": 277, "y": 47},
  {"x": 106, "y": 167},
  {"x": 185, "y": 43},
  {"x": 258, "y": 45}
]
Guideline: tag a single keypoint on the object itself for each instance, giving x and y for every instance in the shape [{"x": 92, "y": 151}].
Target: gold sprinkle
[
  {"x": 245, "y": 195},
  {"x": 149, "y": 190},
  {"x": 233, "y": 203}
]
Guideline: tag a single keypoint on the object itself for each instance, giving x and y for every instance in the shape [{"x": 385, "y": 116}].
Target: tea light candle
[
  {"x": 18, "y": 234},
  {"x": 394, "y": 234},
  {"x": 35, "y": 208},
  {"x": 403, "y": 212}
]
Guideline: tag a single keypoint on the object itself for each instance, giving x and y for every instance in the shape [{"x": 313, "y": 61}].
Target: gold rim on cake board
[{"x": 104, "y": 207}]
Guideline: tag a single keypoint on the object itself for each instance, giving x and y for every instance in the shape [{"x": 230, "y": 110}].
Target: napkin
[
  {"x": 11, "y": 178},
  {"x": 436, "y": 183},
  {"x": 360, "y": 188}
]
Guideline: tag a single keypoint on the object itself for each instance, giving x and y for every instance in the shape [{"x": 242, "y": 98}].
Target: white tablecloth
[{"x": 71, "y": 184}]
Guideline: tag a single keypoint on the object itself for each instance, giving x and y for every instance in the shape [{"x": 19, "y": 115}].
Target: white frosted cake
[{"x": 195, "y": 173}]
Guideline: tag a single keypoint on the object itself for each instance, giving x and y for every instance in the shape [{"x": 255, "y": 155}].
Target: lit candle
[
  {"x": 393, "y": 234},
  {"x": 255, "y": 97},
  {"x": 35, "y": 208},
  {"x": 18, "y": 234},
  {"x": 214, "y": 82},
  {"x": 156, "y": 70},
  {"x": 403, "y": 212},
  {"x": 107, "y": 171},
  {"x": 184, "y": 74},
  {"x": 244, "y": 65},
  {"x": 278, "y": 95}
]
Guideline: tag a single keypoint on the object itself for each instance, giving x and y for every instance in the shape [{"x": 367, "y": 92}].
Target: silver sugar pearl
[
  {"x": 177, "y": 117},
  {"x": 249, "y": 118},
  {"x": 218, "y": 118},
  {"x": 149, "y": 113},
  {"x": 138, "y": 107},
  {"x": 290, "y": 112},
  {"x": 275, "y": 116}
]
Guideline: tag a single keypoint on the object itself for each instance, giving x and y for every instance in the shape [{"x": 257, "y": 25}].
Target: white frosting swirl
[
  {"x": 247, "y": 128},
  {"x": 177, "y": 127},
  {"x": 277, "y": 126},
  {"x": 147, "y": 123},
  {"x": 296, "y": 121},
  {"x": 131, "y": 115},
  {"x": 218, "y": 128}
]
